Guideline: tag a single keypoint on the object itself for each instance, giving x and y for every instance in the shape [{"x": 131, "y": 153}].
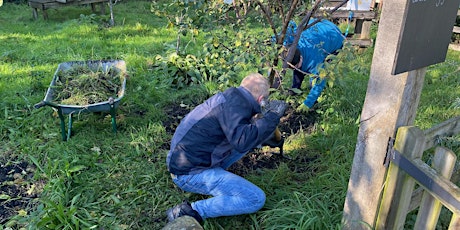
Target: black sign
[{"x": 426, "y": 34}]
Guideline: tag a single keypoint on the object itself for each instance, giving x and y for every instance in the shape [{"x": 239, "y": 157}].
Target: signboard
[{"x": 426, "y": 34}]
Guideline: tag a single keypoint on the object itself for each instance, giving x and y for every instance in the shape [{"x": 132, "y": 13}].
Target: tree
[{"x": 235, "y": 44}]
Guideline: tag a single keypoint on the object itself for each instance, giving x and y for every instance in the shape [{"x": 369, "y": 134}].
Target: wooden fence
[{"x": 407, "y": 171}]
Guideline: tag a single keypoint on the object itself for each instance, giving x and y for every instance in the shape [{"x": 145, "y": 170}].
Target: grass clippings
[{"x": 80, "y": 85}]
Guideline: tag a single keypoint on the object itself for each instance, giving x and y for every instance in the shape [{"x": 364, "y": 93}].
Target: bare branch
[
  {"x": 267, "y": 15},
  {"x": 280, "y": 39},
  {"x": 303, "y": 25},
  {"x": 286, "y": 21},
  {"x": 280, "y": 8}
]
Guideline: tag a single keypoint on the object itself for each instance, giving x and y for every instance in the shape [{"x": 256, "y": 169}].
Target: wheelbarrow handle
[
  {"x": 40, "y": 104},
  {"x": 43, "y": 103}
]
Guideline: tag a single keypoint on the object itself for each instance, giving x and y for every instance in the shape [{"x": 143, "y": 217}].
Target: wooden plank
[
  {"x": 430, "y": 208},
  {"x": 455, "y": 47},
  {"x": 39, "y": 4},
  {"x": 415, "y": 199},
  {"x": 360, "y": 42},
  {"x": 447, "y": 128},
  {"x": 41, "y": 1},
  {"x": 453, "y": 191},
  {"x": 81, "y": 2},
  {"x": 46, "y": 5},
  {"x": 456, "y": 29},
  {"x": 357, "y": 14}
]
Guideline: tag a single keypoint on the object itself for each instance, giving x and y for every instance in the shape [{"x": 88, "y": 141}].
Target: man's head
[
  {"x": 296, "y": 60},
  {"x": 257, "y": 85}
]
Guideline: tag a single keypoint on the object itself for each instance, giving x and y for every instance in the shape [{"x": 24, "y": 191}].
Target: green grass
[{"x": 99, "y": 179}]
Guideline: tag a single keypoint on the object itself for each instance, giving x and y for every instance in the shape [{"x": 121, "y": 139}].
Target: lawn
[{"x": 99, "y": 179}]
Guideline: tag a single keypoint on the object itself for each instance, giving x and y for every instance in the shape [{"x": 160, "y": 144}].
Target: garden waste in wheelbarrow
[{"x": 111, "y": 74}]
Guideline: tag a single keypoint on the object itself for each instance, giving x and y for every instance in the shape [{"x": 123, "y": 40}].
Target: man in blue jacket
[
  {"x": 213, "y": 136},
  {"x": 315, "y": 44}
]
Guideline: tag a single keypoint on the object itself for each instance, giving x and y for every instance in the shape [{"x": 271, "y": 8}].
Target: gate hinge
[{"x": 390, "y": 152}]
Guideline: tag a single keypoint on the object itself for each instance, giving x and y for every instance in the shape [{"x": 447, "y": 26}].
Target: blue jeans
[{"x": 231, "y": 194}]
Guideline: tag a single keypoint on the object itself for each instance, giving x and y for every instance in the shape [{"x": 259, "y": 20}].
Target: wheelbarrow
[{"x": 110, "y": 105}]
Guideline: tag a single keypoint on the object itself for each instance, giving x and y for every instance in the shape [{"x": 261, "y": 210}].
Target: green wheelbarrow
[{"x": 110, "y": 105}]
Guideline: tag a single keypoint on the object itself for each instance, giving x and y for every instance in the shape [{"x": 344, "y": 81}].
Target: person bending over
[
  {"x": 212, "y": 137},
  {"x": 315, "y": 44}
]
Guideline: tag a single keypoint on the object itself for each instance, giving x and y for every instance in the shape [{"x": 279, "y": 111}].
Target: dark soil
[{"x": 17, "y": 190}]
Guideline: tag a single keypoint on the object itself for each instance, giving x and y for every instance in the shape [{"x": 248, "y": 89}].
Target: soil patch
[{"x": 16, "y": 189}]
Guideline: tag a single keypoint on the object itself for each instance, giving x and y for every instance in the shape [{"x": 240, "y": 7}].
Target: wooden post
[
  {"x": 366, "y": 30},
  {"x": 391, "y": 101},
  {"x": 430, "y": 208},
  {"x": 35, "y": 13}
]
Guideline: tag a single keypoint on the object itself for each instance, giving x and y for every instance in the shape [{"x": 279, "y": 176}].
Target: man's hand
[
  {"x": 276, "y": 106},
  {"x": 302, "y": 108}
]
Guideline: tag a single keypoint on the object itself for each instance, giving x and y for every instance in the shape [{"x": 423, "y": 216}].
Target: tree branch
[{"x": 267, "y": 15}]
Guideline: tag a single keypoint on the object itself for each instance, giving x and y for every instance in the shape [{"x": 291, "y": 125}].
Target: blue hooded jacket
[
  {"x": 208, "y": 134},
  {"x": 315, "y": 44}
]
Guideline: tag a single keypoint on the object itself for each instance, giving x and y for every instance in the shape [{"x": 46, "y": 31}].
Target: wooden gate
[{"x": 407, "y": 170}]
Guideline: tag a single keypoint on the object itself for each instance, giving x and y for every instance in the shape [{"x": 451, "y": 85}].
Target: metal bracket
[{"x": 390, "y": 152}]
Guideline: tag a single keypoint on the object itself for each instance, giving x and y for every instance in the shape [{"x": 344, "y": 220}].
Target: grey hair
[{"x": 256, "y": 84}]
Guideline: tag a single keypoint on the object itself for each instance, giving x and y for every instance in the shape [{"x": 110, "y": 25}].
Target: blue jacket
[
  {"x": 208, "y": 134},
  {"x": 315, "y": 44}
]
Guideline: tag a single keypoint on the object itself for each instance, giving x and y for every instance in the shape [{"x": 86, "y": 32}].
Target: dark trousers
[{"x": 297, "y": 79}]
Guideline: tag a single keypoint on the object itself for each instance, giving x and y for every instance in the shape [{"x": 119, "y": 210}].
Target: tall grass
[{"x": 102, "y": 180}]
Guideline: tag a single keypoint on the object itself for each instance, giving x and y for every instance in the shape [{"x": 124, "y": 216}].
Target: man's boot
[{"x": 183, "y": 209}]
